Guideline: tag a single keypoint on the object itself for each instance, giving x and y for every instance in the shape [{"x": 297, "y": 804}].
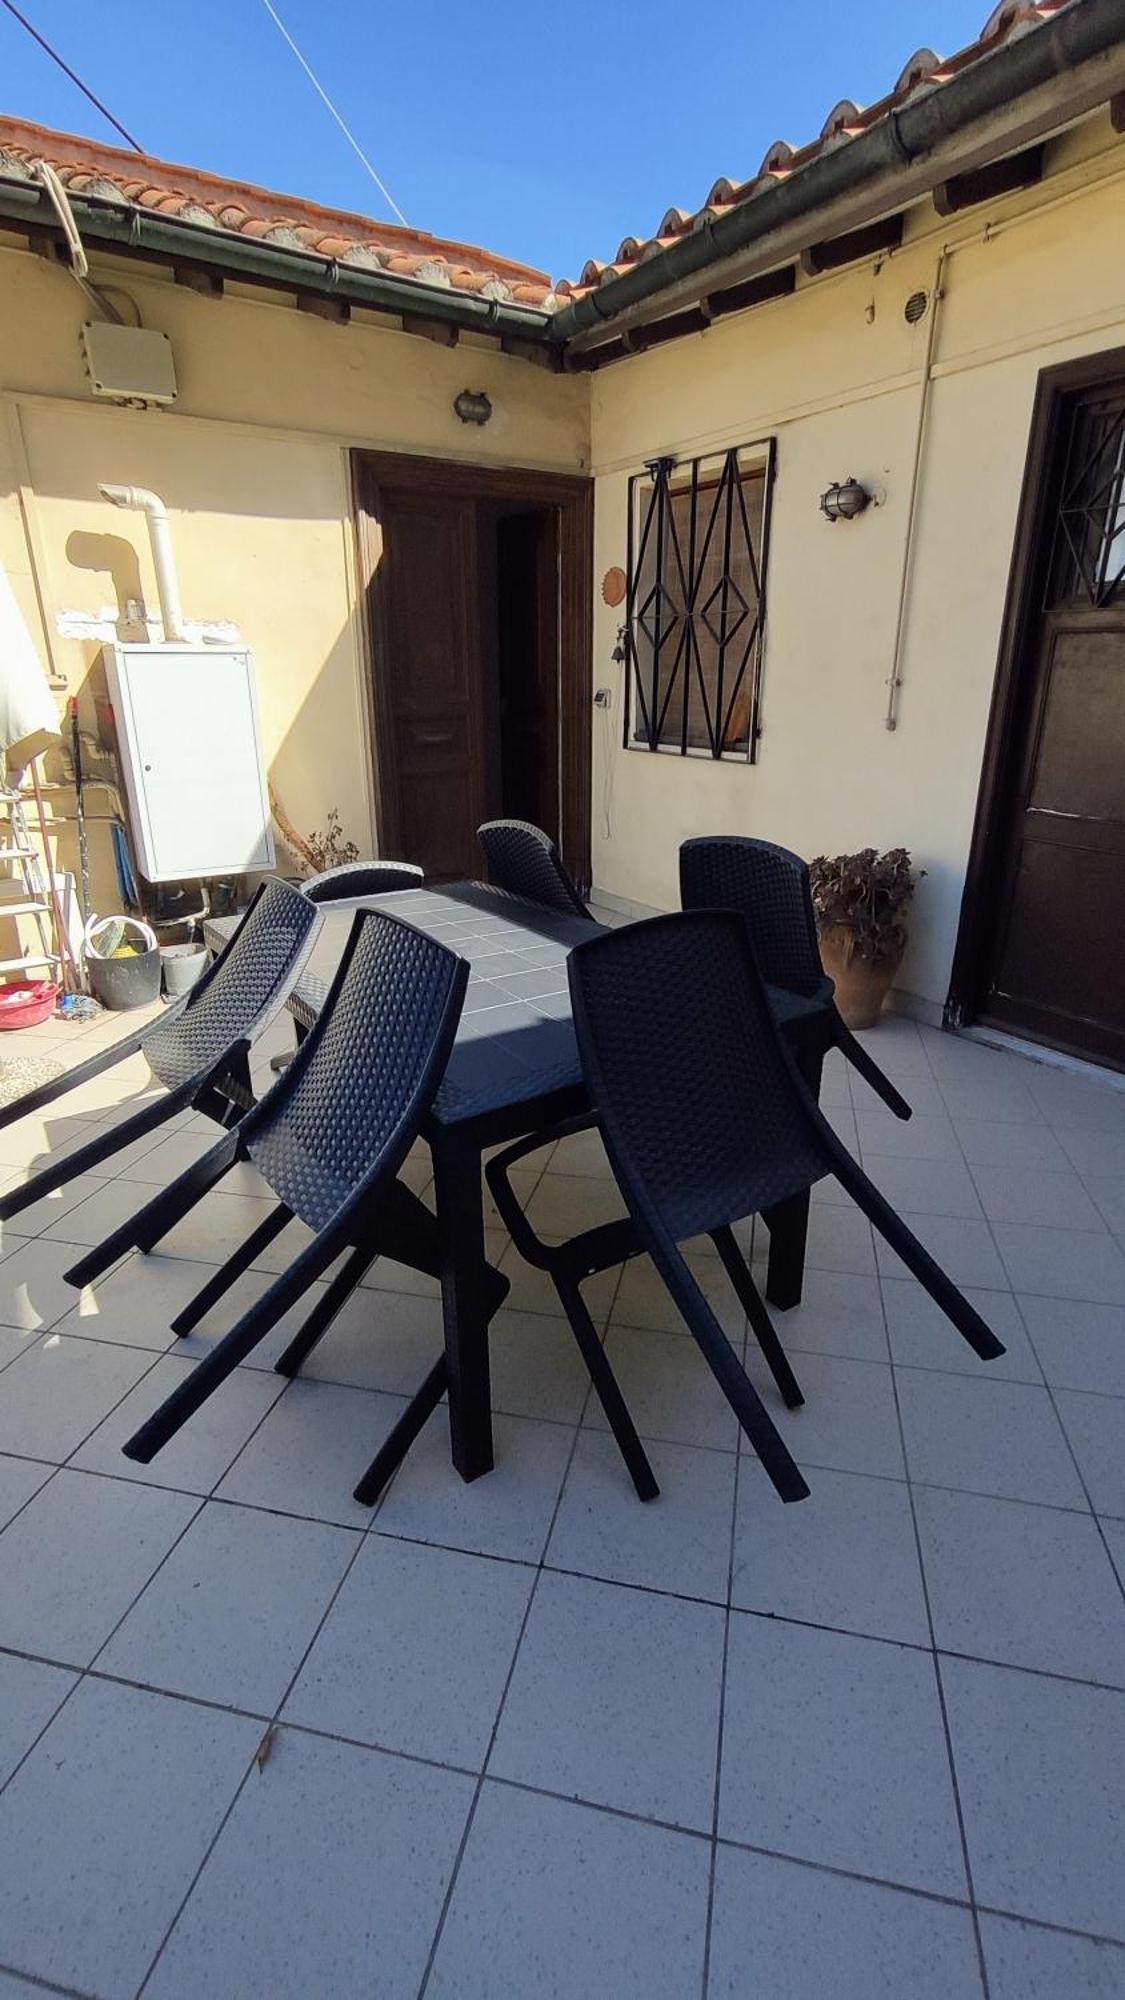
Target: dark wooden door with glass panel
[{"x": 1056, "y": 970}]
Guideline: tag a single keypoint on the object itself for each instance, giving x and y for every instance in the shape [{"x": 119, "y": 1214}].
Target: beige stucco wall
[
  {"x": 252, "y": 462},
  {"x": 834, "y": 374}
]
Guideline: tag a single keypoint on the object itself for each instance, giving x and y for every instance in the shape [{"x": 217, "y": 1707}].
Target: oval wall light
[{"x": 844, "y": 499}]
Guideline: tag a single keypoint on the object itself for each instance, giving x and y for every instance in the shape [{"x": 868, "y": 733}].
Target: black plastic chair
[
  {"x": 769, "y": 886},
  {"x": 329, "y": 1139},
  {"x": 199, "y": 1049},
  {"x": 706, "y": 1120},
  {"x": 361, "y": 878},
  {"x": 524, "y": 860}
]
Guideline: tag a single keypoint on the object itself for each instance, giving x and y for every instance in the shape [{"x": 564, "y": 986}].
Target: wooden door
[
  {"x": 1056, "y": 968},
  {"x": 427, "y": 681}
]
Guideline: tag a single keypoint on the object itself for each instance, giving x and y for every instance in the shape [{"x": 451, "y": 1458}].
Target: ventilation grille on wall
[{"x": 915, "y": 307}]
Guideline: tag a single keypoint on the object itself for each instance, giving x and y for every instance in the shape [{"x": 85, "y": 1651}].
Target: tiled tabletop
[{"x": 515, "y": 1041}]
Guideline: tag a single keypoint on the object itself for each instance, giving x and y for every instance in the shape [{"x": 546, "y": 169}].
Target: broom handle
[{"x": 68, "y": 964}]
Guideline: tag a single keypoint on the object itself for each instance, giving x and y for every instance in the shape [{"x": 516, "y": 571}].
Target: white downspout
[{"x": 164, "y": 562}]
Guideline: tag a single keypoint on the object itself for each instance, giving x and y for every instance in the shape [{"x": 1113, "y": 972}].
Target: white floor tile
[
  {"x": 532, "y": 1290},
  {"x": 19, "y": 1479},
  {"x": 671, "y": 1392},
  {"x": 583, "y": 1153},
  {"x": 834, "y": 1751},
  {"x": 1041, "y": 1775},
  {"x": 230, "y": 1614},
  {"x": 614, "y": 1699},
  {"x": 33, "y": 1291},
  {"x": 643, "y": 1299},
  {"x": 1005, "y": 1098},
  {"x": 51, "y": 1208},
  {"x": 678, "y": 1542},
  {"x": 840, "y": 1313},
  {"x": 112, "y": 1203},
  {"x": 845, "y": 1557},
  {"x": 140, "y": 1783},
  {"x": 328, "y": 1878},
  {"x": 33, "y": 1143},
  {"x": 566, "y": 1903},
  {"x": 848, "y": 1421},
  {"x": 1026, "y": 1963},
  {"x": 964, "y": 1249},
  {"x": 1025, "y": 1586},
  {"x": 922, "y": 1337},
  {"x": 839, "y": 1239},
  {"x": 507, "y": 1513},
  {"x": 984, "y": 1436},
  {"x": 994, "y": 1147},
  {"x": 926, "y": 1136},
  {"x": 924, "y": 1187},
  {"x": 30, "y": 1693},
  {"x": 537, "y": 1369},
  {"x": 74, "y": 1560},
  {"x": 1040, "y": 1196},
  {"x": 196, "y": 1458},
  {"x": 1095, "y": 1426},
  {"x": 1079, "y": 1346},
  {"x": 59, "y": 1390},
  {"x": 380, "y": 1340},
  {"x": 782, "y": 1929},
  {"x": 316, "y": 1442},
  {"x": 415, "y": 1652},
  {"x": 1057, "y": 1263},
  {"x": 565, "y": 1204}
]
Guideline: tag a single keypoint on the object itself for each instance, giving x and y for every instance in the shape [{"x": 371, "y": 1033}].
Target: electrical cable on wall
[{"x": 99, "y": 295}]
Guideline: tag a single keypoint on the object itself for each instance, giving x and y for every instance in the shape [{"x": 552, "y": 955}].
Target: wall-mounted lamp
[
  {"x": 844, "y": 499},
  {"x": 473, "y": 406}
]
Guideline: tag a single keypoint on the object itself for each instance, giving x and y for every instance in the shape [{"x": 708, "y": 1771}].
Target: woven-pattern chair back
[
  {"x": 704, "y": 1118},
  {"x": 362, "y": 878},
  {"x": 348, "y": 1105},
  {"x": 241, "y": 991},
  {"x": 769, "y": 886},
  {"x": 524, "y": 860}
]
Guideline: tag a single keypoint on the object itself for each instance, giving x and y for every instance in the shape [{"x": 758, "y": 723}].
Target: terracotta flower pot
[{"x": 861, "y": 984}]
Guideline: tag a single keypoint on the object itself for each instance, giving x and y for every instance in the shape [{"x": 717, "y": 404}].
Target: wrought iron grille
[
  {"x": 1088, "y": 560},
  {"x": 695, "y": 606}
]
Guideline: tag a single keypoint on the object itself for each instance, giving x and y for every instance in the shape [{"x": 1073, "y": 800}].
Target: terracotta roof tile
[
  {"x": 924, "y": 71},
  {"x": 205, "y": 201}
]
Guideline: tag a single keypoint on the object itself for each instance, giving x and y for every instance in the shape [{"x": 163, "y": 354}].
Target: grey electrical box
[{"x": 128, "y": 364}]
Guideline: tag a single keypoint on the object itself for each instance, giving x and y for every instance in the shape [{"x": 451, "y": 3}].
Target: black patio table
[{"x": 514, "y": 1069}]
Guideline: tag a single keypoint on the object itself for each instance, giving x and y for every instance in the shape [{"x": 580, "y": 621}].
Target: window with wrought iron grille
[
  {"x": 695, "y": 606},
  {"x": 1088, "y": 558}
]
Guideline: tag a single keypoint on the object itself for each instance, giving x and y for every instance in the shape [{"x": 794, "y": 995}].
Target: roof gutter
[
  {"x": 119, "y": 227},
  {"x": 1081, "y": 32}
]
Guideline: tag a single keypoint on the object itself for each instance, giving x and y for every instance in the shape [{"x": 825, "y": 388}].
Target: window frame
[{"x": 704, "y": 472}]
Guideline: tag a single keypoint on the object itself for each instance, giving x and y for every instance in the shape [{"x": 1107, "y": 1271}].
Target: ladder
[{"x": 23, "y": 893}]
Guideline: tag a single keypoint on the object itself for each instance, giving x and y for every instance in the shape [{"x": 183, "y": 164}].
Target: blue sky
[{"x": 545, "y": 133}]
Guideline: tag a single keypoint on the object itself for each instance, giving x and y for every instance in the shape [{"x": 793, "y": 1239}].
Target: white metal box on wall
[{"x": 191, "y": 759}]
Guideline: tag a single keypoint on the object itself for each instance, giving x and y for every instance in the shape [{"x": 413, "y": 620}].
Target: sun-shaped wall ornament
[{"x": 614, "y": 586}]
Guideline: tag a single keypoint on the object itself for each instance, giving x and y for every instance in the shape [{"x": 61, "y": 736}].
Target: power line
[
  {"x": 323, "y": 95},
  {"x": 75, "y": 79}
]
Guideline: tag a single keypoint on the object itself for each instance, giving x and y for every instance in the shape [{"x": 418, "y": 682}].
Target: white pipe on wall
[{"x": 163, "y": 560}]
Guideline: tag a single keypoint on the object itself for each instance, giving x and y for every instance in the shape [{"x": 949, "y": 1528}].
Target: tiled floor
[{"x": 529, "y": 1737}]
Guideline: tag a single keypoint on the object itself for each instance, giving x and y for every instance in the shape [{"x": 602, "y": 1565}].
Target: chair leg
[
  {"x": 58, "y": 1086},
  {"x": 870, "y": 1072},
  {"x": 239, "y": 1261},
  {"x": 760, "y": 1322},
  {"x": 732, "y": 1378},
  {"x": 608, "y": 1390},
  {"x": 334, "y": 1297},
  {"x": 223, "y": 1359},
  {"x": 918, "y": 1261},
  {"x": 394, "y": 1448},
  {"x": 158, "y": 1215},
  {"x": 85, "y": 1158}
]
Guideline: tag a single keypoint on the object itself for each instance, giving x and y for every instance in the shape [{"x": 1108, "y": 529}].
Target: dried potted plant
[{"x": 860, "y": 900}]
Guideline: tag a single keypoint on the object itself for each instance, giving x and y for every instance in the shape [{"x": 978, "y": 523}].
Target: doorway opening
[
  {"x": 478, "y": 603},
  {"x": 1041, "y": 947}
]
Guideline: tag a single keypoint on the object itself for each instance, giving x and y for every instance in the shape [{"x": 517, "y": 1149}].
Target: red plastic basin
[{"x": 24, "y": 1003}]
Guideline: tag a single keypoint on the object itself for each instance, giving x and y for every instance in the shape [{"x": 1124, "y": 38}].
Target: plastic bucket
[
  {"x": 183, "y": 964},
  {"x": 24, "y": 1003},
  {"x": 133, "y": 980}
]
